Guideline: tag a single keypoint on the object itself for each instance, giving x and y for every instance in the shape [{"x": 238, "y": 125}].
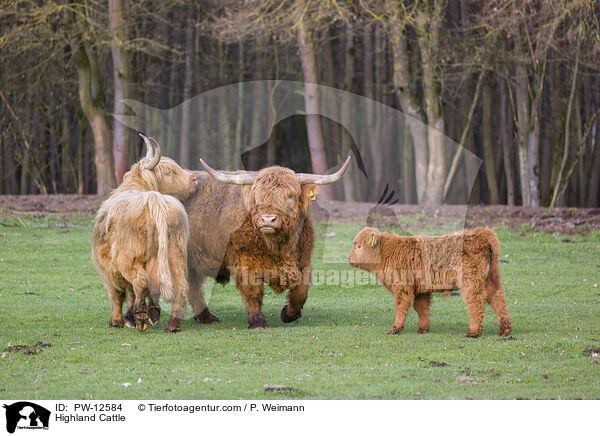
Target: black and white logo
[{"x": 26, "y": 415}]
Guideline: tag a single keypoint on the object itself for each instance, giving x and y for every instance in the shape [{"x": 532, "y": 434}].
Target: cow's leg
[
  {"x": 252, "y": 290},
  {"x": 253, "y": 298},
  {"x": 136, "y": 275},
  {"x": 178, "y": 308},
  {"x": 297, "y": 297},
  {"x": 403, "y": 300},
  {"x": 118, "y": 297},
  {"x": 153, "y": 308},
  {"x": 196, "y": 298},
  {"x": 473, "y": 294},
  {"x": 129, "y": 315},
  {"x": 495, "y": 296},
  {"x": 153, "y": 291},
  {"x": 422, "y": 304}
]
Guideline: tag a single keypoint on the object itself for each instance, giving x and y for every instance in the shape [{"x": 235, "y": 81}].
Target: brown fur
[
  {"x": 226, "y": 241},
  {"x": 412, "y": 267},
  {"x": 139, "y": 243}
]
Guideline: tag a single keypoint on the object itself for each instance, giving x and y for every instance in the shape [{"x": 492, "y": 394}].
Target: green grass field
[{"x": 340, "y": 349}]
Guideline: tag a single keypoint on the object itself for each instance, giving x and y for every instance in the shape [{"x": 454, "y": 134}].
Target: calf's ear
[{"x": 373, "y": 240}]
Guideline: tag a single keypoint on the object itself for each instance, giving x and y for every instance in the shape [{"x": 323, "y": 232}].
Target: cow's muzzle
[{"x": 269, "y": 223}]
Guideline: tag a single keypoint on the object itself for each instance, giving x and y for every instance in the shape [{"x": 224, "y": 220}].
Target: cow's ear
[
  {"x": 372, "y": 238},
  {"x": 309, "y": 193}
]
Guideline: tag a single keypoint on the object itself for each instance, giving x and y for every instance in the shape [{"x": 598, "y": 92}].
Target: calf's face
[{"x": 365, "y": 249}]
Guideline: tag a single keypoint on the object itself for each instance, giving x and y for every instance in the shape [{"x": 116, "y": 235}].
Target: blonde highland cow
[{"x": 139, "y": 243}]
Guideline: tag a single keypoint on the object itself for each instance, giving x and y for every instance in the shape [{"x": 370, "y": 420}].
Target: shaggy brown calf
[
  {"x": 412, "y": 267},
  {"x": 139, "y": 243},
  {"x": 256, "y": 227}
]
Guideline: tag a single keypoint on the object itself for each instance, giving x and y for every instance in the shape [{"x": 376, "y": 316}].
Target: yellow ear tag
[
  {"x": 311, "y": 195},
  {"x": 373, "y": 241}
]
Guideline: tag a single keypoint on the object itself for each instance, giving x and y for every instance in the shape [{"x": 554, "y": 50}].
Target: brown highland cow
[
  {"x": 256, "y": 227},
  {"x": 139, "y": 243},
  {"x": 412, "y": 267}
]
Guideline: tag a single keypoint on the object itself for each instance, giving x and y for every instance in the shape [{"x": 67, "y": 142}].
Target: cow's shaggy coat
[
  {"x": 412, "y": 267},
  {"x": 257, "y": 234},
  {"x": 139, "y": 243}
]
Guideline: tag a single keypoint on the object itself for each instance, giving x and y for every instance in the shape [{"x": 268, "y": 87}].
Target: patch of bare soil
[
  {"x": 28, "y": 349},
  {"x": 50, "y": 203},
  {"x": 558, "y": 220}
]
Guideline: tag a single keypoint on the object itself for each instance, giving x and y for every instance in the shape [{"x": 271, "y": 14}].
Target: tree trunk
[
  {"x": 122, "y": 80},
  {"x": 488, "y": 144},
  {"x": 506, "y": 142},
  {"x": 378, "y": 141},
  {"x": 2, "y": 169},
  {"x": 523, "y": 117},
  {"x": 103, "y": 157},
  {"x": 563, "y": 164},
  {"x": 594, "y": 186},
  {"x": 407, "y": 99},
  {"x": 10, "y": 174},
  {"x": 25, "y": 171},
  {"x": 428, "y": 28},
  {"x": 239, "y": 124},
  {"x": 347, "y": 45},
  {"x": 67, "y": 169},
  {"x": 311, "y": 101},
  {"x": 185, "y": 140},
  {"x": 80, "y": 155}
]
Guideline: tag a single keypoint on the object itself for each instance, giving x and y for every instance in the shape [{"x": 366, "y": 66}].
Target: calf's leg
[
  {"x": 495, "y": 296},
  {"x": 422, "y": 304},
  {"x": 403, "y": 300},
  {"x": 473, "y": 294}
]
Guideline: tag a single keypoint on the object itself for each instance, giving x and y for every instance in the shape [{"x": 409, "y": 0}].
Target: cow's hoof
[
  {"x": 205, "y": 317},
  {"x": 395, "y": 330},
  {"x": 130, "y": 324},
  {"x": 141, "y": 321},
  {"x": 154, "y": 315},
  {"x": 129, "y": 319},
  {"x": 422, "y": 330},
  {"x": 257, "y": 322},
  {"x": 173, "y": 326},
  {"x": 505, "y": 328},
  {"x": 472, "y": 334},
  {"x": 289, "y": 318},
  {"x": 117, "y": 324}
]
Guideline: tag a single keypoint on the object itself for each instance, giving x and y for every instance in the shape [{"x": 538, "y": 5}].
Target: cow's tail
[
  {"x": 158, "y": 210},
  {"x": 493, "y": 243}
]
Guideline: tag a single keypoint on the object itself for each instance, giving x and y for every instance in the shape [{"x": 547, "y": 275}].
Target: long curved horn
[
  {"x": 234, "y": 179},
  {"x": 149, "y": 147},
  {"x": 155, "y": 156},
  {"x": 318, "y": 179}
]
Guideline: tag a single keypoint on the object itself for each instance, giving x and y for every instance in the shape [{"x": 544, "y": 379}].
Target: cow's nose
[{"x": 269, "y": 219}]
